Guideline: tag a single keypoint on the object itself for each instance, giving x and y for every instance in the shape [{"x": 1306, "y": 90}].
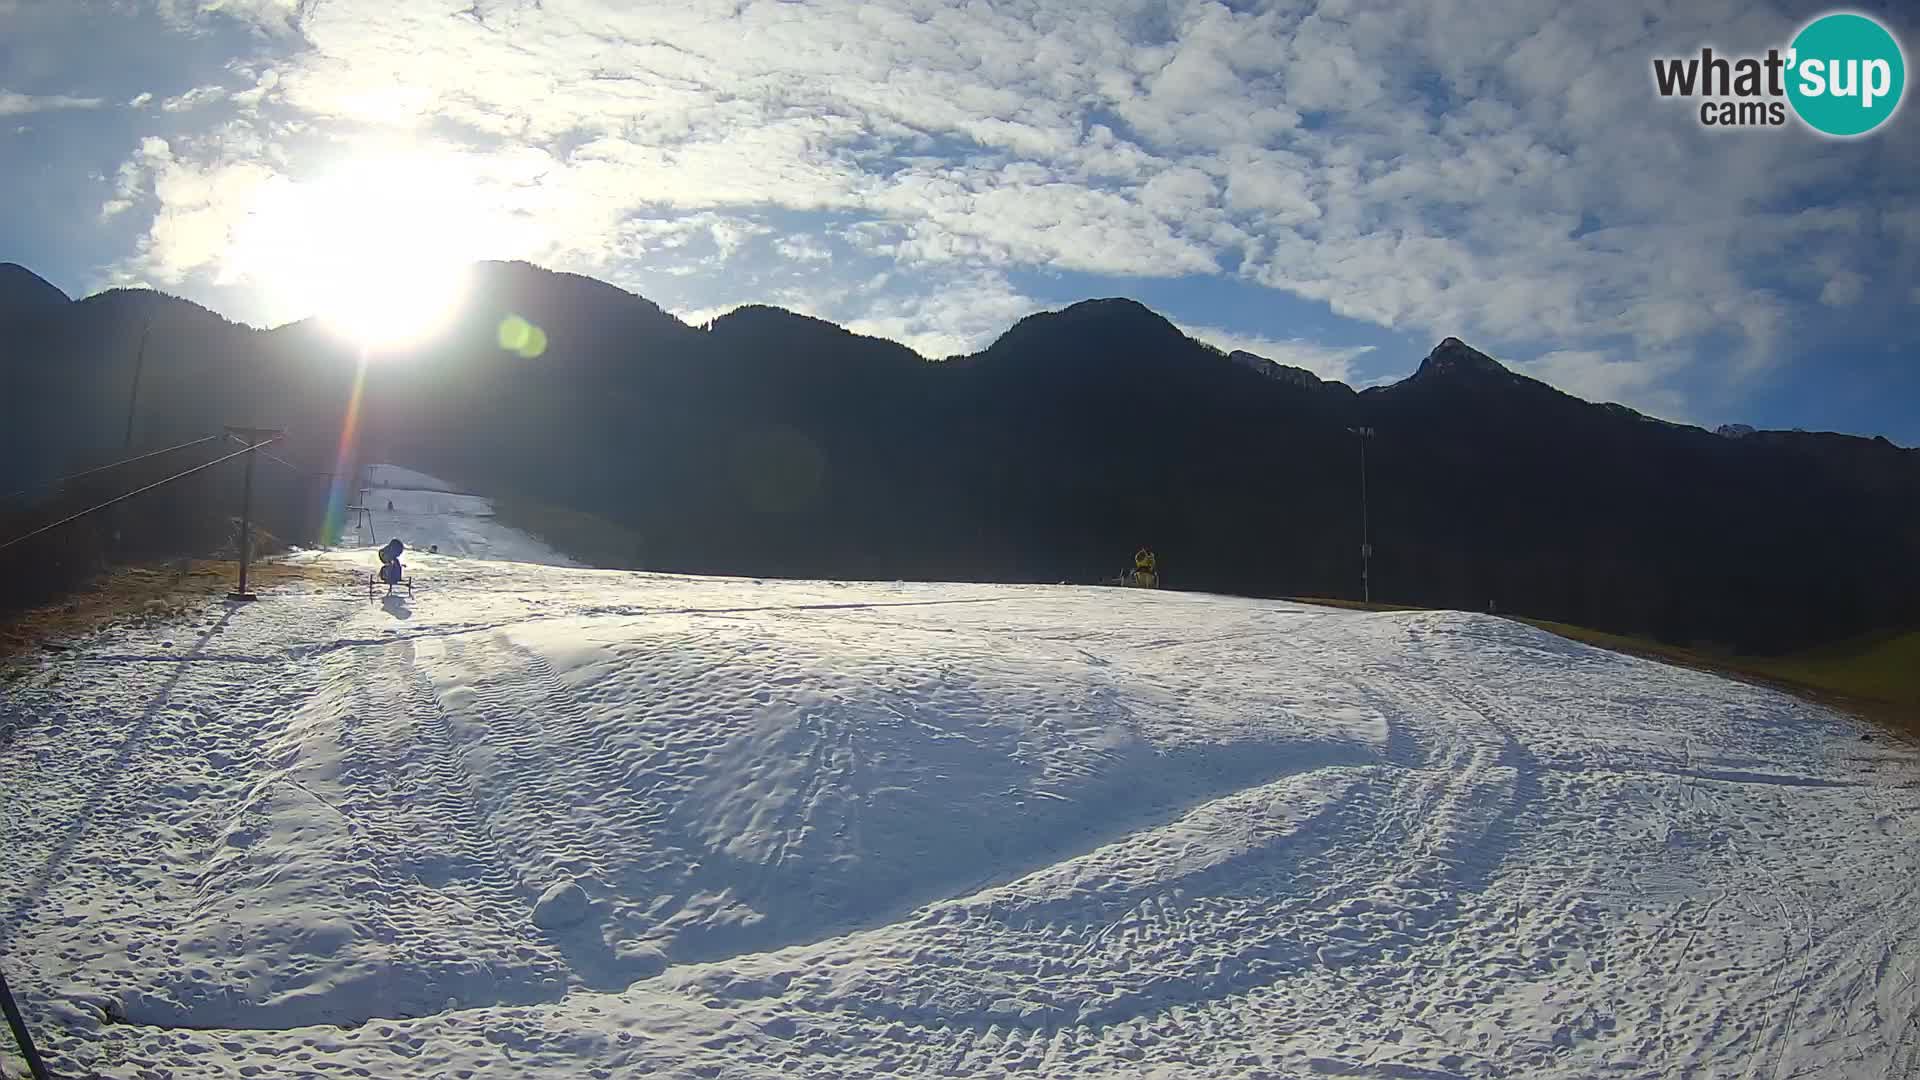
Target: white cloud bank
[
  {"x": 1330, "y": 362},
  {"x": 1503, "y": 174}
]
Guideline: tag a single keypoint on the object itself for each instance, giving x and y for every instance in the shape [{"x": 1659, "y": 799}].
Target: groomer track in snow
[{"x": 583, "y": 823}]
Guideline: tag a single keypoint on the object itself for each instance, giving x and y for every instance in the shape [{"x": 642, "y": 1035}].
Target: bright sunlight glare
[{"x": 378, "y": 250}]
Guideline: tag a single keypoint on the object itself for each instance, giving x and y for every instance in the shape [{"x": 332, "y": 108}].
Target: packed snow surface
[
  {"x": 539, "y": 821},
  {"x": 427, "y": 512}
]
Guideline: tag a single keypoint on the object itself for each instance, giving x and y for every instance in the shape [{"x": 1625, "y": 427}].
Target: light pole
[
  {"x": 1364, "y": 434},
  {"x": 255, "y": 438},
  {"x": 133, "y": 395},
  {"x": 133, "y": 403}
]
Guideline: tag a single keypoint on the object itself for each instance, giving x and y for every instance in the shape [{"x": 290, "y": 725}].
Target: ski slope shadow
[
  {"x": 103, "y": 787},
  {"x": 392, "y": 897}
]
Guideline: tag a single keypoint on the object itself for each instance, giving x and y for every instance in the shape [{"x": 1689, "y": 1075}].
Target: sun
[{"x": 378, "y": 249}]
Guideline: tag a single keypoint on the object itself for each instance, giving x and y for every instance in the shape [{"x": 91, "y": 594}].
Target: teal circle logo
[{"x": 1846, "y": 74}]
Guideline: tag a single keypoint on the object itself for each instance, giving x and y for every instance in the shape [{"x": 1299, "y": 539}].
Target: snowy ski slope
[
  {"x": 429, "y": 512},
  {"x": 562, "y": 822}
]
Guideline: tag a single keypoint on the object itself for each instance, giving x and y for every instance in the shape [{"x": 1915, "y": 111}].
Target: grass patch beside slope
[
  {"x": 1881, "y": 667},
  {"x": 1876, "y": 676},
  {"x": 146, "y": 593},
  {"x": 1351, "y": 605}
]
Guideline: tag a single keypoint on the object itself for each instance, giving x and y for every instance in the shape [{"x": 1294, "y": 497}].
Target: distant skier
[
  {"x": 390, "y": 571},
  {"x": 389, "y": 504}
]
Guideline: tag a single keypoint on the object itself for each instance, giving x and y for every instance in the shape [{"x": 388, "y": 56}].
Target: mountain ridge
[
  {"x": 772, "y": 443},
  {"x": 1450, "y": 356},
  {"x": 24, "y": 293}
]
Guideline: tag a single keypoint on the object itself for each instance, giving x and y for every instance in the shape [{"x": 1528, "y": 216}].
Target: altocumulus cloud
[{"x": 1496, "y": 171}]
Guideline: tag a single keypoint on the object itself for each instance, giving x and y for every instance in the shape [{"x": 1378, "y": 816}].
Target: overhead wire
[
  {"x": 123, "y": 498},
  {"x": 283, "y": 461},
  {"x": 103, "y": 468}
]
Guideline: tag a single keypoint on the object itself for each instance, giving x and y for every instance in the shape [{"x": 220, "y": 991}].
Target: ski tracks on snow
[{"x": 1490, "y": 892}]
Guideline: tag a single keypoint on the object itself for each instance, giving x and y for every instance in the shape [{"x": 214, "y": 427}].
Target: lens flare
[
  {"x": 334, "y": 523},
  {"x": 517, "y": 335}
]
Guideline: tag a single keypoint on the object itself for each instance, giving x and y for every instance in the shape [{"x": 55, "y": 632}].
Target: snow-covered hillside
[
  {"x": 426, "y": 513},
  {"x": 560, "y": 822}
]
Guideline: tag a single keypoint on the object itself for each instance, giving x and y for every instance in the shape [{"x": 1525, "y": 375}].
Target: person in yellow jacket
[{"x": 1145, "y": 572}]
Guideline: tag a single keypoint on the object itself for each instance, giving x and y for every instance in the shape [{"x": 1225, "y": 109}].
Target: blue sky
[{"x": 1336, "y": 184}]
